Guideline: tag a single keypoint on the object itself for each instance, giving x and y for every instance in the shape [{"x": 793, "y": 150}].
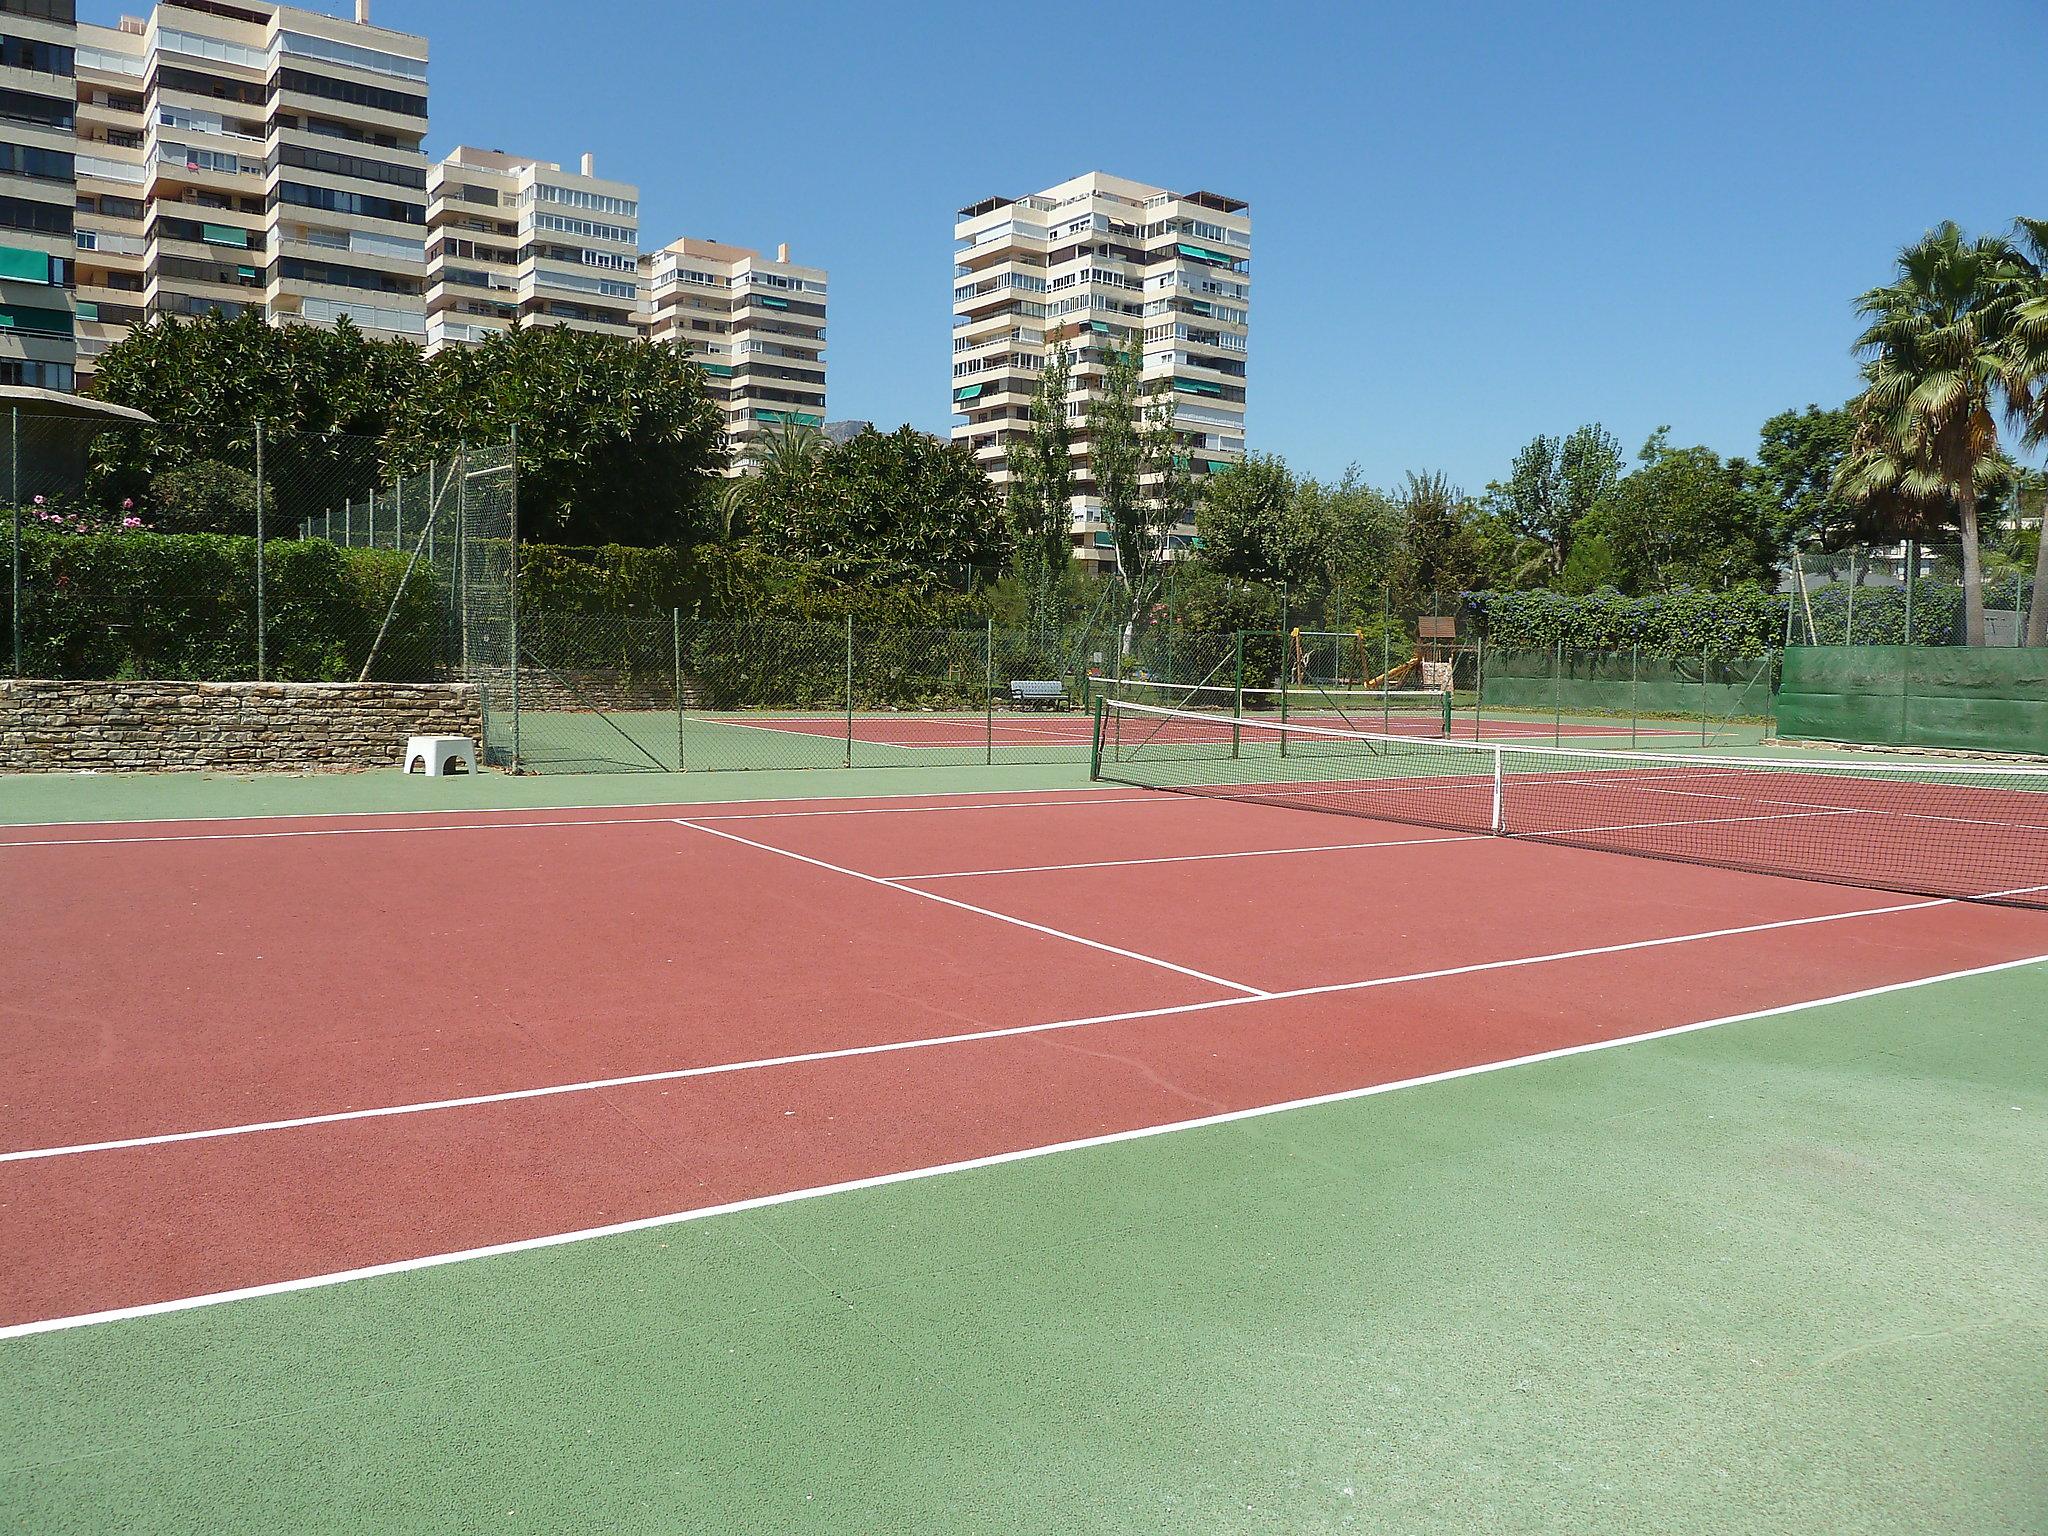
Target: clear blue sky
[{"x": 1472, "y": 222}]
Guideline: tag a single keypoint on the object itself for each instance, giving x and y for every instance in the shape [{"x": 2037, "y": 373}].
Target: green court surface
[{"x": 1783, "y": 1274}]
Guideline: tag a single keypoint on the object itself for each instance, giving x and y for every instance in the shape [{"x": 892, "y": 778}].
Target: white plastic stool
[{"x": 435, "y": 755}]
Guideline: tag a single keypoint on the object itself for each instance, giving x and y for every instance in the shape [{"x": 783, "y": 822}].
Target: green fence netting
[{"x": 1988, "y": 700}]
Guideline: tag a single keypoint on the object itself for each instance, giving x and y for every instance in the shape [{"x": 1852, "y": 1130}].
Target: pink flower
[
  {"x": 127, "y": 503},
  {"x": 39, "y": 501},
  {"x": 131, "y": 522}
]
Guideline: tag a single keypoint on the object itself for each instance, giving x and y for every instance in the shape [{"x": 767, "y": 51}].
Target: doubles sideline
[{"x": 938, "y": 1170}]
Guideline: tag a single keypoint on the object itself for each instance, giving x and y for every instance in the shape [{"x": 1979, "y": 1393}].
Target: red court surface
[{"x": 801, "y": 994}]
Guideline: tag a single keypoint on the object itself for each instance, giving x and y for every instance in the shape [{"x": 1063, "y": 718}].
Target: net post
[
  {"x": 513, "y": 596},
  {"x": 1500, "y": 823},
  {"x": 849, "y": 690},
  {"x": 988, "y": 689},
  {"x": 1095, "y": 741},
  {"x": 1237, "y": 695},
  {"x": 1446, "y": 702},
  {"x": 1479, "y": 687},
  {"x": 676, "y": 626}
]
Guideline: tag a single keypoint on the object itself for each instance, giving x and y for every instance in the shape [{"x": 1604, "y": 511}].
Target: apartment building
[
  {"x": 757, "y": 327},
  {"x": 238, "y": 157},
  {"x": 38, "y": 41},
  {"x": 1092, "y": 262},
  {"x": 512, "y": 239}
]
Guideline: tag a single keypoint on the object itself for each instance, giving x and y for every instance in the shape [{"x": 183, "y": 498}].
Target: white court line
[
  {"x": 587, "y": 821},
  {"x": 965, "y": 1165},
  {"x": 670, "y": 806},
  {"x": 1001, "y": 917},
  {"x": 927, "y": 1042},
  {"x": 1195, "y": 858}
]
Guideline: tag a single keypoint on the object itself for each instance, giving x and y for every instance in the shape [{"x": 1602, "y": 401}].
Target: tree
[
  {"x": 1041, "y": 496},
  {"x": 2024, "y": 378},
  {"x": 902, "y": 509},
  {"x": 1362, "y": 537},
  {"x": 326, "y": 398},
  {"x": 1684, "y": 518},
  {"x": 1551, "y": 486},
  {"x": 1440, "y": 558},
  {"x": 1936, "y": 347},
  {"x": 1257, "y": 528},
  {"x": 1589, "y": 467},
  {"x": 619, "y": 443},
  {"x": 1798, "y": 454},
  {"x": 1124, "y": 448}
]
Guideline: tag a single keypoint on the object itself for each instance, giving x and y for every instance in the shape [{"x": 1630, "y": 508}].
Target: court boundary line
[
  {"x": 529, "y": 826},
  {"x": 1198, "y": 858},
  {"x": 966, "y": 1165},
  {"x": 966, "y": 906},
  {"x": 930, "y": 1042},
  {"x": 512, "y": 810}
]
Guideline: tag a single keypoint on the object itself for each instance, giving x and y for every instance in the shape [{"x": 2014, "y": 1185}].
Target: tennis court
[{"x": 1059, "y": 1156}]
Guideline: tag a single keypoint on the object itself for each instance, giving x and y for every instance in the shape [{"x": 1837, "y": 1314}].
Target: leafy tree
[
  {"x": 1126, "y": 448},
  {"x": 1796, "y": 462},
  {"x": 2024, "y": 377},
  {"x": 1589, "y": 467},
  {"x": 1255, "y": 526},
  {"x": 206, "y": 496},
  {"x": 1936, "y": 348},
  {"x": 1440, "y": 552},
  {"x": 618, "y": 441},
  {"x": 1362, "y": 536},
  {"x": 1042, "y": 495},
  {"x": 901, "y": 509},
  {"x": 1683, "y": 518},
  {"x": 324, "y": 398}
]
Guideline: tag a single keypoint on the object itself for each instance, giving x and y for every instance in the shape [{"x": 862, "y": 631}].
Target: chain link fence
[{"x": 1912, "y": 594}]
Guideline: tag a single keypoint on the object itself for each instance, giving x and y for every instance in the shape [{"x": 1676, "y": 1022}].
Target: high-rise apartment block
[
  {"x": 514, "y": 239},
  {"x": 38, "y": 39},
  {"x": 257, "y": 157},
  {"x": 1093, "y": 262},
  {"x": 756, "y": 327}
]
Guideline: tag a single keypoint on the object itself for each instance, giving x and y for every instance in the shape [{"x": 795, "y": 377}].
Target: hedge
[
  {"x": 183, "y": 606},
  {"x": 1746, "y": 621}
]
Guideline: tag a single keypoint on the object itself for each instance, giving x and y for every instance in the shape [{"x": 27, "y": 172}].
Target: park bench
[{"x": 1038, "y": 695}]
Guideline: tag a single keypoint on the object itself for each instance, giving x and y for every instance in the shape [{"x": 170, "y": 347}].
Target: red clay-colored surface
[
  {"x": 165, "y": 986},
  {"x": 1073, "y": 729}
]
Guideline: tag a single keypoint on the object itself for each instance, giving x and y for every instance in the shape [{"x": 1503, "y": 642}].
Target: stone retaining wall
[{"x": 52, "y": 727}]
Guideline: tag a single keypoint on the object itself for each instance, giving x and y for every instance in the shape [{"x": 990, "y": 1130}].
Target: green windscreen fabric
[
  {"x": 1625, "y": 683},
  {"x": 1975, "y": 698}
]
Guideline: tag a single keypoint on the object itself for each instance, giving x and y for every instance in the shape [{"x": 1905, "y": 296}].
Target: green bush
[
  {"x": 1745, "y": 621},
  {"x": 183, "y": 606}
]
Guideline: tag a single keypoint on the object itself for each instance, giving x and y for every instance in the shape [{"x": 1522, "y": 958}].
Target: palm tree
[
  {"x": 731, "y": 501},
  {"x": 788, "y": 451},
  {"x": 1936, "y": 345},
  {"x": 2025, "y": 378}
]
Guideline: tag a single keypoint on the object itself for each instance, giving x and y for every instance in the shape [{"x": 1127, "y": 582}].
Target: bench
[{"x": 1039, "y": 695}]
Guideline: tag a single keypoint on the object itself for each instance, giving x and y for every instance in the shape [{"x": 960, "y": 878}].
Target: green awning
[
  {"x": 773, "y": 303},
  {"x": 24, "y": 266},
  {"x": 88, "y": 310},
  {"x": 799, "y": 417},
  {"x": 224, "y": 234},
  {"x": 1216, "y": 466},
  {"x": 966, "y": 394},
  {"x": 1197, "y": 387},
  {"x": 723, "y": 370},
  {"x": 1200, "y": 254},
  {"x": 22, "y": 317},
  {"x": 245, "y": 272},
  {"x": 1104, "y": 539}
]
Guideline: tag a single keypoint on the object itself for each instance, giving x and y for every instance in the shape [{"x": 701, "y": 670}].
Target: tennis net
[
  {"x": 1390, "y": 711},
  {"x": 1977, "y": 832}
]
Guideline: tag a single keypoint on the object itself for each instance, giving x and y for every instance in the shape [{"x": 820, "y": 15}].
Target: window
[
  {"x": 42, "y": 10},
  {"x": 298, "y": 270},
  {"x": 42, "y": 111},
  {"x": 330, "y": 164},
  {"x": 31, "y": 374},
  {"x": 33, "y": 53},
  {"x": 571, "y": 197},
  {"x": 38, "y": 164},
  {"x": 210, "y": 48},
  {"x": 331, "y": 201},
  {"x": 373, "y": 59},
  {"x": 376, "y": 98},
  {"x": 41, "y": 218}
]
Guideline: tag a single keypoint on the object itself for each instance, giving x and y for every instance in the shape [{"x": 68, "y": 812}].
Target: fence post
[
  {"x": 1704, "y": 712},
  {"x": 676, "y": 623},
  {"x": 370, "y": 541},
  {"x": 1557, "y": 695},
  {"x": 849, "y": 690},
  {"x": 513, "y": 595},
  {"x": 1849, "y": 623},
  {"x": 1635, "y": 689},
  {"x": 398, "y": 515},
  {"x": 348, "y": 522},
  {"x": 14, "y": 526},
  {"x": 262, "y": 654},
  {"x": 1479, "y": 687},
  {"x": 1906, "y": 671},
  {"x": 988, "y": 690}
]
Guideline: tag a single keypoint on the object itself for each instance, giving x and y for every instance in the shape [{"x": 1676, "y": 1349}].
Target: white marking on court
[
  {"x": 925, "y": 1042},
  {"x": 967, "y": 1165},
  {"x": 587, "y": 821},
  {"x": 670, "y": 806},
  {"x": 1001, "y": 917},
  {"x": 1196, "y": 858}
]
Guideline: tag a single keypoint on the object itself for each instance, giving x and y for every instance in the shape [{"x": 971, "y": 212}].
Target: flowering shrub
[{"x": 46, "y": 516}]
